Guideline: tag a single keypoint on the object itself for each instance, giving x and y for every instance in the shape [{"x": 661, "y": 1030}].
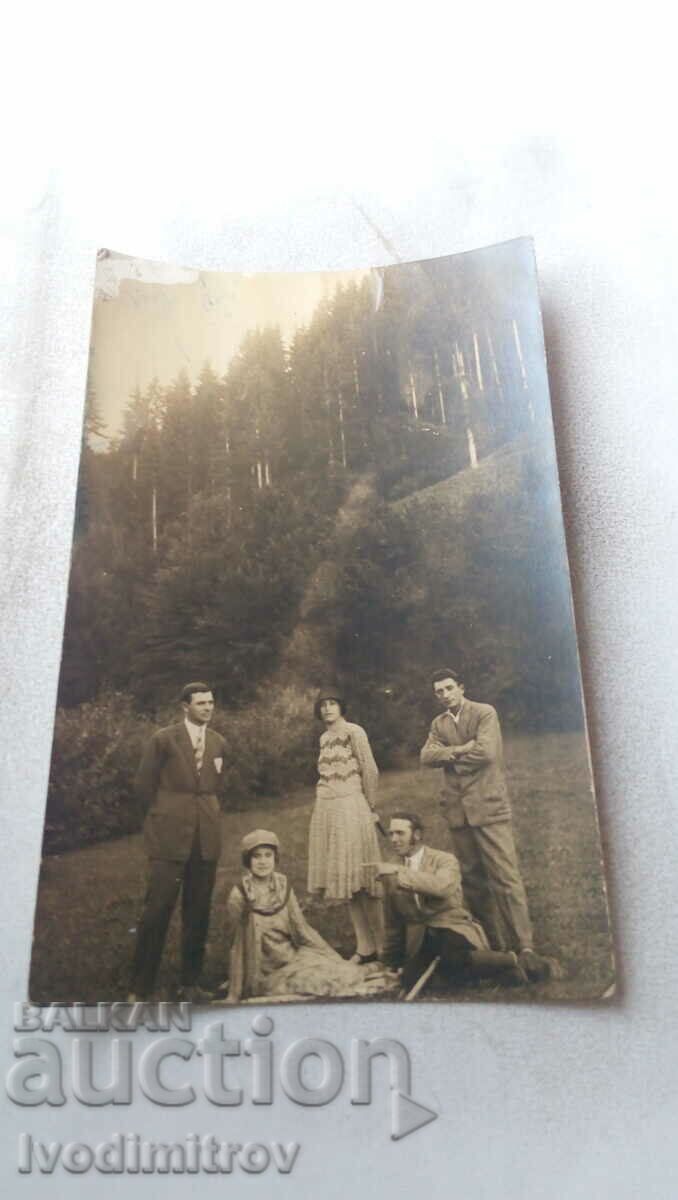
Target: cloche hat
[
  {"x": 259, "y": 837},
  {"x": 329, "y": 693}
]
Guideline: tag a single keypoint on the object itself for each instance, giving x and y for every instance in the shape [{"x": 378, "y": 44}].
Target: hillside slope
[{"x": 493, "y": 582}]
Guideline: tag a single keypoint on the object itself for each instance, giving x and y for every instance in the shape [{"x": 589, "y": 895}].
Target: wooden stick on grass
[{"x": 422, "y": 980}]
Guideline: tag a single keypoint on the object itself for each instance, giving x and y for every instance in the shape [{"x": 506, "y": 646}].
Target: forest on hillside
[{"x": 372, "y": 498}]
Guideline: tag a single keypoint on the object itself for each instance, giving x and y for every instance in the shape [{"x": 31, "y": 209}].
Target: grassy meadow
[{"x": 89, "y": 900}]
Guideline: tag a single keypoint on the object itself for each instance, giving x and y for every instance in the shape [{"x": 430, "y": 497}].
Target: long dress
[
  {"x": 342, "y": 837},
  {"x": 275, "y": 952}
]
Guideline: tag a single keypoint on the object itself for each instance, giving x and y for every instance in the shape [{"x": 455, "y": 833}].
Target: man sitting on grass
[{"x": 425, "y": 917}]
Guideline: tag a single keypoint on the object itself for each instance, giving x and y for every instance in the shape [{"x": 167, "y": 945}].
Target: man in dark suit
[
  {"x": 180, "y": 778},
  {"x": 425, "y": 917},
  {"x": 465, "y": 740}
]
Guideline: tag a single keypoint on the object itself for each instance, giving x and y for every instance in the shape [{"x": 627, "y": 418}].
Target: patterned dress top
[{"x": 342, "y": 837}]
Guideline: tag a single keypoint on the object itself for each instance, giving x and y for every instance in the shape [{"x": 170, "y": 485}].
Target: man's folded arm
[
  {"x": 435, "y": 753},
  {"x": 485, "y": 746}
]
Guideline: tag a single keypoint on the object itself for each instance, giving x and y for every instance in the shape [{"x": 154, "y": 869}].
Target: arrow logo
[{"x": 407, "y": 1115}]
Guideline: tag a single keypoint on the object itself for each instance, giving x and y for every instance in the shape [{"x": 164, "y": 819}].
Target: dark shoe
[
  {"x": 194, "y": 995},
  {"x": 536, "y": 967},
  {"x": 362, "y": 959},
  {"x": 515, "y": 975}
]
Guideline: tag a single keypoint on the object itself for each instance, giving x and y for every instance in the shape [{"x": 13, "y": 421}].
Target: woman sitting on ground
[{"x": 274, "y": 950}]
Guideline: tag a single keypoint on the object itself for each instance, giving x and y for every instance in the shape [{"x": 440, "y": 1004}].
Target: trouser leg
[
  {"x": 478, "y": 893},
  {"x": 161, "y": 895},
  {"x": 199, "y": 876},
  {"x": 492, "y": 962},
  {"x": 497, "y": 848},
  {"x": 452, "y": 948},
  {"x": 414, "y": 967}
]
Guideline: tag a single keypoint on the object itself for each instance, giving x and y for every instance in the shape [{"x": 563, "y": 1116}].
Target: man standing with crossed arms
[{"x": 465, "y": 740}]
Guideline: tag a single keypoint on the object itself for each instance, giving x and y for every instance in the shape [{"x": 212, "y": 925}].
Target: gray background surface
[{"x": 255, "y": 144}]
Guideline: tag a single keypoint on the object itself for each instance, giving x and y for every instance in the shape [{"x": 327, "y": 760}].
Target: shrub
[
  {"x": 95, "y": 753},
  {"x": 271, "y": 745}
]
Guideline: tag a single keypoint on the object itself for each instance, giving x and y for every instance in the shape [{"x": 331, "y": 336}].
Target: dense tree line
[
  {"x": 226, "y": 506},
  {"x": 376, "y": 497}
]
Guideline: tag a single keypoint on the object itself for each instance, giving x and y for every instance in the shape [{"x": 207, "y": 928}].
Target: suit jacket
[
  {"x": 180, "y": 799},
  {"x": 430, "y": 896},
  {"x": 474, "y": 788}
]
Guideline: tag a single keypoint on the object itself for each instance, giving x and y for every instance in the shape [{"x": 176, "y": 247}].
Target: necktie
[
  {"x": 199, "y": 750},
  {"x": 409, "y": 863}
]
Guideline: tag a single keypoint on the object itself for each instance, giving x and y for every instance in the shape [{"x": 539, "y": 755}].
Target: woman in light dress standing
[{"x": 342, "y": 836}]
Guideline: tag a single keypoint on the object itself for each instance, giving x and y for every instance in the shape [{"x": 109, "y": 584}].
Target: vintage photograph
[{"x": 320, "y": 731}]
